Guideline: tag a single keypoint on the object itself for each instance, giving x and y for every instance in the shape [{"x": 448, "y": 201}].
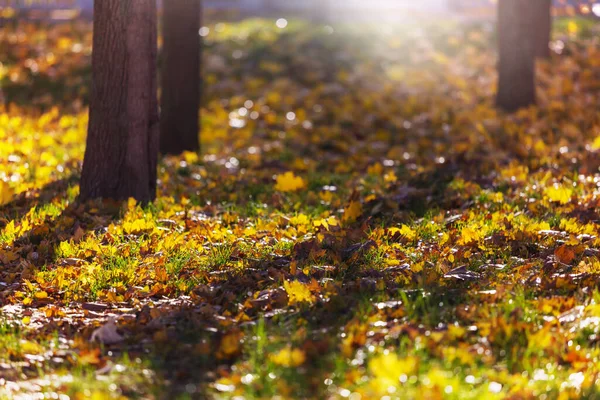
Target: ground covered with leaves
[{"x": 362, "y": 222}]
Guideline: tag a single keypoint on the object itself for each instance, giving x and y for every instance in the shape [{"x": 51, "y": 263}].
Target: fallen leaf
[
  {"x": 564, "y": 254},
  {"x": 288, "y": 182},
  {"x": 298, "y": 292},
  {"x": 352, "y": 212},
  {"x": 107, "y": 334}
]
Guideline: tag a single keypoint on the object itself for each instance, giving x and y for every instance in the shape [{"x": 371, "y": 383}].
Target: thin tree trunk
[
  {"x": 180, "y": 77},
  {"x": 122, "y": 144},
  {"x": 542, "y": 26},
  {"x": 516, "y": 66}
]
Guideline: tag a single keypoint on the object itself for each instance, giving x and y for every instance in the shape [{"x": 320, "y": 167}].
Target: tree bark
[
  {"x": 516, "y": 66},
  {"x": 542, "y": 26},
  {"x": 180, "y": 77},
  {"x": 122, "y": 143}
]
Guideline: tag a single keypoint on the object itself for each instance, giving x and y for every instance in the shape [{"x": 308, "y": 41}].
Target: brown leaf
[
  {"x": 79, "y": 234},
  {"x": 564, "y": 254}
]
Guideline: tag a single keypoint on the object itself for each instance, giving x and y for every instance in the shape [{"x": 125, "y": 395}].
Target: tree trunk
[
  {"x": 516, "y": 66},
  {"x": 542, "y": 26},
  {"x": 180, "y": 77},
  {"x": 122, "y": 144}
]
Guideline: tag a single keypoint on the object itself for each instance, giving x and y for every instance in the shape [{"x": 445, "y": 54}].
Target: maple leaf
[
  {"x": 559, "y": 193},
  {"x": 288, "y": 182},
  {"x": 469, "y": 236},
  {"x": 298, "y": 292},
  {"x": 352, "y": 212},
  {"x": 6, "y": 256},
  {"x": 326, "y": 222},
  {"x": 404, "y": 230},
  {"x": 565, "y": 254},
  {"x": 300, "y": 219}
]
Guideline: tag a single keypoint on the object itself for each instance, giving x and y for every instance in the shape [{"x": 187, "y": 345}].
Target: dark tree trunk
[
  {"x": 542, "y": 26},
  {"x": 516, "y": 66},
  {"x": 180, "y": 77},
  {"x": 122, "y": 144}
]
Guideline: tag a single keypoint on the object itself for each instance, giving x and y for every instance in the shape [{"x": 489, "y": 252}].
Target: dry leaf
[{"x": 107, "y": 333}]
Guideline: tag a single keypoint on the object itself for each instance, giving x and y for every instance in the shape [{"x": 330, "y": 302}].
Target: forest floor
[{"x": 361, "y": 222}]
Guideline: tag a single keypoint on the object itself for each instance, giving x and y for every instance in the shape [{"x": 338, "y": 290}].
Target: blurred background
[{"x": 318, "y": 9}]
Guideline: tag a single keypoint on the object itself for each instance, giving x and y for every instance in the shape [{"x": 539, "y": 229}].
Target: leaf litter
[{"x": 396, "y": 236}]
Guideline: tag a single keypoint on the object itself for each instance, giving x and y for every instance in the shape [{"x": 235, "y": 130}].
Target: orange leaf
[{"x": 564, "y": 254}]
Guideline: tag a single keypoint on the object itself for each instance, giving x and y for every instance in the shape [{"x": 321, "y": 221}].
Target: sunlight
[{"x": 387, "y": 9}]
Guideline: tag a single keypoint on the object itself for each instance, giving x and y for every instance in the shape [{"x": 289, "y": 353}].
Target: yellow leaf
[
  {"x": 9, "y": 229},
  {"x": 41, "y": 295},
  {"x": 418, "y": 267},
  {"x": 390, "y": 177},
  {"x": 289, "y": 182},
  {"x": 497, "y": 197},
  {"x": 29, "y": 347},
  {"x": 66, "y": 249},
  {"x": 352, "y": 212},
  {"x": 407, "y": 232},
  {"x": 326, "y": 222},
  {"x": 298, "y": 292},
  {"x": 137, "y": 226},
  {"x": 559, "y": 193},
  {"x": 375, "y": 169},
  {"x": 26, "y": 320},
  {"x": 543, "y": 339},
  {"x": 190, "y": 157},
  {"x": 388, "y": 368},
  {"x": 326, "y": 196},
  {"x": 231, "y": 344},
  {"x": 469, "y": 236},
  {"x": 300, "y": 219},
  {"x": 444, "y": 238},
  {"x": 288, "y": 357},
  {"x": 596, "y": 143},
  {"x": 6, "y": 193},
  {"x": 131, "y": 203}
]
